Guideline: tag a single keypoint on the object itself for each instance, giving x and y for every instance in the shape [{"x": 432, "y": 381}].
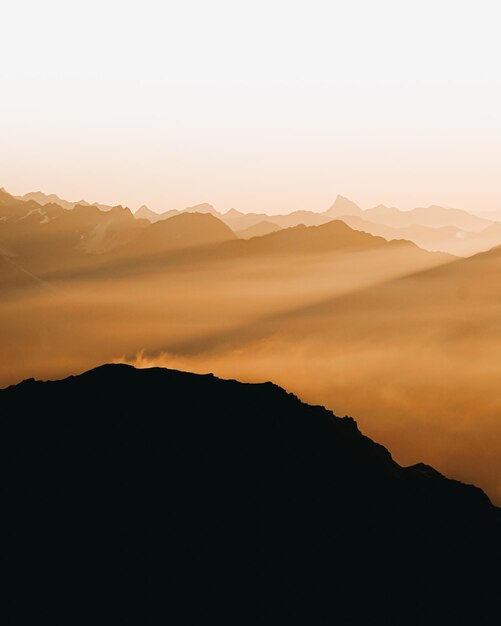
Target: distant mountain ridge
[
  {"x": 43, "y": 199},
  {"x": 185, "y": 230},
  {"x": 177, "y": 491},
  {"x": 433, "y": 228},
  {"x": 40, "y": 237},
  {"x": 448, "y": 239},
  {"x": 434, "y": 216},
  {"x": 473, "y": 232},
  {"x": 333, "y": 235},
  {"x": 258, "y": 230}
]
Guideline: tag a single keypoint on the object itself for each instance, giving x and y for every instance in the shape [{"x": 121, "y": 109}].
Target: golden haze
[{"x": 405, "y": 340}]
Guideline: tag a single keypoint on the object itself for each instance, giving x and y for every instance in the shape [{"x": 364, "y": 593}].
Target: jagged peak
[{"x": 343, "y": 205}]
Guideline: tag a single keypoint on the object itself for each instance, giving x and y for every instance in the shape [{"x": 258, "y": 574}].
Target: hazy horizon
[
  {"x": 270, "y": 108},
  {"x": 166, "y": 208}
]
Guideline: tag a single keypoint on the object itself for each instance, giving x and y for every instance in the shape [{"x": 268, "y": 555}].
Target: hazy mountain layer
[
  {"x": 444, "y": 238},
  {"x": 433, "y": 228},
  {"x": 41, "y": 238},
  {"x": 346, "y": 319},
  {"x": 43, "y": 199},
  {"x": 258, "y": 230}
]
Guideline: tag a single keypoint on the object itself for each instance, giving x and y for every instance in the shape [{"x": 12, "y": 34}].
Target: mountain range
[
  {"x": 43, "y": 199},
  {"x": 40, "y": 238},
  {"x": 150, "y": 496},
  {"x": 405, "y": 338},
  {"x": 433, "y": 228},
  {"x": 432, "y": 216}
]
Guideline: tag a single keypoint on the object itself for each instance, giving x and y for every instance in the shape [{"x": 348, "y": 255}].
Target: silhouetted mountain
[
  {"x": 258, "y": 230},
  {"x": 145, "y": 213},
  {"x": 156, "y": 496}
]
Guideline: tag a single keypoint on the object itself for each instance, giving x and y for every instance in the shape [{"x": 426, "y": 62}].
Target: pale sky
[{"x": 261, "y": 105}]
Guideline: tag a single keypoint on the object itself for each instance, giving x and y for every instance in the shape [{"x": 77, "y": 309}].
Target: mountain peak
[
  {"x": 5, "y": 194},
  {"x": 146, "y": 213},
  {"x": 343, "y": 206},
  {"x": 204, "y": 207}
]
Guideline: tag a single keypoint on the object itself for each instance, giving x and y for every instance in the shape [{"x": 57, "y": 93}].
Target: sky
[{"x": 267, "y": 106}]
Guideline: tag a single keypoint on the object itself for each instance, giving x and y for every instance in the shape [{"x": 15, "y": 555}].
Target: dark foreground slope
[{"x": 155, "y": 496}]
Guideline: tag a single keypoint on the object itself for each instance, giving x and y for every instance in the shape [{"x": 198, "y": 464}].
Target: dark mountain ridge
[{"x": 148, "y": 496}]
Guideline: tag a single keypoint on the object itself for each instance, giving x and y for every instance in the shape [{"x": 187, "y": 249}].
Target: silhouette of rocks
[{"x": 157, "y": 496}]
